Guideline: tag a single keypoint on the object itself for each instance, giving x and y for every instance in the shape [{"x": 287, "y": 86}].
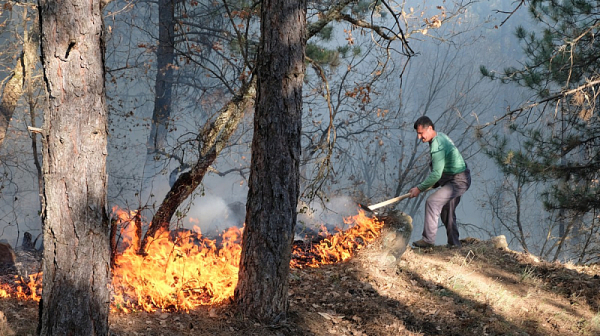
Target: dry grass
[{"x": 475, "y": 290}]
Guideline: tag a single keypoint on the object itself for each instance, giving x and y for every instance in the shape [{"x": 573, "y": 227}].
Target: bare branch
[
  {"x": 511, "y": 13},
  {"x": 555, "y": 96}
]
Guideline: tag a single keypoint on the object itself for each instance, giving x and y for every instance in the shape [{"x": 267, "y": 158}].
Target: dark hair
[{"x": 424, "y": 122}]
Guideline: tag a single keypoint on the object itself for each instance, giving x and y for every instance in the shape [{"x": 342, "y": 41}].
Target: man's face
[{"x": 426, "y": 133}]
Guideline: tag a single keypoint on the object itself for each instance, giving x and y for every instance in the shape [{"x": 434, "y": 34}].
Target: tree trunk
[
  {"x": 214, "y": 137},
  {"x": 76, "y": 297},
  {"x": 31, "y": 44},
  {"x": 10, "y": 96},
  {"x": 165, "y": 54},
  {"x": 20, "y": 77},
  {"x": 262, "y": 289},
  {"x": 218, "y": 133}
]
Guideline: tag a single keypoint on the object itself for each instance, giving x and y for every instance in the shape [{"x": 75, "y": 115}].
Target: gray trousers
[{"x": 443, "y": 203}]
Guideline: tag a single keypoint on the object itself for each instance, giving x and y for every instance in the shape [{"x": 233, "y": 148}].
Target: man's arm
[{"x": 438, "y": 162}]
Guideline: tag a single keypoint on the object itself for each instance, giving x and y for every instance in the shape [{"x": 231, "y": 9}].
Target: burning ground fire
[
  {"x": 186, "y": 270},
  {"x": 23, "y": 289}
]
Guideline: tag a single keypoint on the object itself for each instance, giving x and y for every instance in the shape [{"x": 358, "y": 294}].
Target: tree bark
[
  {"x": 10, "y": 96},
  {"x": 20, "y": 77},
  {"x": 76, "y": 297},
  {"x": 230, "y": 115},
  {"x": 165, "y": 54},
  {"x": 262, "y": 289}
]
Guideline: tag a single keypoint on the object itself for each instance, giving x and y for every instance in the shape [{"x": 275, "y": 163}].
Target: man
[{"x": 448, "y": 171}]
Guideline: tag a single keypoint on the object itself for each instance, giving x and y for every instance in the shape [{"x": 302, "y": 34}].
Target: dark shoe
[
  {"x": 450, "y": 246},
  {"x": 422, "y": 244}
]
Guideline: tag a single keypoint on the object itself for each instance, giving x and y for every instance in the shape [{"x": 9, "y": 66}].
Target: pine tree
[{"x": 560, "y": 131}]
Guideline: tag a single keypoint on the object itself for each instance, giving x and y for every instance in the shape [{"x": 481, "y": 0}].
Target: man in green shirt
[{"x": 448, "y": 171}]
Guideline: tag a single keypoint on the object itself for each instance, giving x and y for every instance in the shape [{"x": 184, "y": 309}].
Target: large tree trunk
[
  {"x": 262, "y": 289},
  {"x": 214, "y": 135},
  {"x": 76, "y": 297}
]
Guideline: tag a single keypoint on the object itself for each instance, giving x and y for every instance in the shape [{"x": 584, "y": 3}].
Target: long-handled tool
[{"x": 372, "y": 207}]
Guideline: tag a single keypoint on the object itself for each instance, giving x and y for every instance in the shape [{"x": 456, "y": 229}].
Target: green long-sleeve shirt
[{"x": 445, "y": 158}]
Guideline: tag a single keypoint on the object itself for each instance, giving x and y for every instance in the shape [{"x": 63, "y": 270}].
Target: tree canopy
[{"x": 558, "y": 131}]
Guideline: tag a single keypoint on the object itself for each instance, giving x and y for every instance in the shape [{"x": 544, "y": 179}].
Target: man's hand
[{"x": 414, "y": 192}]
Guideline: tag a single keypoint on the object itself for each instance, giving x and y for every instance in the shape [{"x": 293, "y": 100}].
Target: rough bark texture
[
  {"x": 75, "y": 298},
  {"x": 262, "y": 289},
  {"x": 218, "y": 134}
]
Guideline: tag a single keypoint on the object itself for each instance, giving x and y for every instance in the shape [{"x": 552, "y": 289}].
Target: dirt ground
[{"x": 473, "y": 290}]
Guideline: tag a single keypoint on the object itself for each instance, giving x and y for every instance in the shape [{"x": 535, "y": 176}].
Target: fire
[
  {"x": 177, "y": 273},
  {"x": 23, "y": 289},
  {"x": 185, "y": 270},
  {"x": 340, "y": 246}
]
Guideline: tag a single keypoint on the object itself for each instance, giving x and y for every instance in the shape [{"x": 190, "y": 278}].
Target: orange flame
[
  {"x": 129, "y": 226},
  {"x": 182, "y": 272},
  {"x": 177, "y": 273},
  {"x": 340, "y": 246},
  {"x": 22, "y": 289}
]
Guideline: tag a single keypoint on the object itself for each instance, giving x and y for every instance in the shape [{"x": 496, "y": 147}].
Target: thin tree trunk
[
  {"x": 76, "y": 297},
  {"x": 214, "y": 138},
  {"x": 186, "y": 183},
  {"x": 518, "y": 201},
  {"x": 563, "y": 239},
  {"x": 165, "y": 54},
  {"x": 30, "y": 58},
  {"x": 21, "y": 75},
  {"x": 15, "y": 85},
  {"x": 10, "y": 96},
  {"x": 262, "y": 289}
]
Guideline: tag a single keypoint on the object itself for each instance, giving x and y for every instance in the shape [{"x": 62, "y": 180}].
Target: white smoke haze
[
  {"x": 311, "y": 217},
  {"x": 213, "y": 215}
]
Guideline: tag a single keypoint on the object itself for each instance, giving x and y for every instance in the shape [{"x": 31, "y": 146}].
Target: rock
[{"x": 500, "y": 242}]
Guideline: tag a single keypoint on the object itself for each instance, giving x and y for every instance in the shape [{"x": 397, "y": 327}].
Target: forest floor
[{"x": 473, "y": 290}]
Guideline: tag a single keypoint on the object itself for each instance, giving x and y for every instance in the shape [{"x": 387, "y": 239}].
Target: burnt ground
[{"x": 473, "y": 290}]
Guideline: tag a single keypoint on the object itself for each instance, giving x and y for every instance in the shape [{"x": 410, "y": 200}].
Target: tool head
[
  {"x": 364, "y": 207},
  {"x": 368, "y": 210}
]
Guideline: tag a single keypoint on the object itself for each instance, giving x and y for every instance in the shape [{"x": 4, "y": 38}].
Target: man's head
[{"x": 425, "y": 129}]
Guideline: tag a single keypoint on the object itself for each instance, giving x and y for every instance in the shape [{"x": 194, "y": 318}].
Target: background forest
[
  {"x": 137, "y": 138},
  {"x": 514, "y": 84}
]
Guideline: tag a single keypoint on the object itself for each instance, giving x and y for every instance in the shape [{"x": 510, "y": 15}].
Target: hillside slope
[{"x": 474, "y": 290}]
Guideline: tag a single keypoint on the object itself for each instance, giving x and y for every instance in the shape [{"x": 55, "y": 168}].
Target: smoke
[
  {"x": 312, "y": 216},
  {"x": 213, "y": 215}
]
